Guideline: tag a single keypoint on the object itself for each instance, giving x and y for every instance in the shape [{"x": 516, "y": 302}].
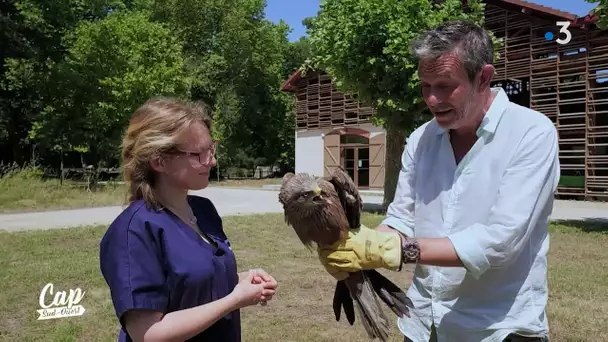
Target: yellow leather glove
[{"x": 363, "y": 249}]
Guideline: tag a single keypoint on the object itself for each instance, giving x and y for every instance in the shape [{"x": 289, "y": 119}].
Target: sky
[{"x": 293, "y": 11}]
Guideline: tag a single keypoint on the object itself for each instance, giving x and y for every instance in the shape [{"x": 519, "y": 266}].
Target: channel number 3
[{"x": 564, "y": 29}]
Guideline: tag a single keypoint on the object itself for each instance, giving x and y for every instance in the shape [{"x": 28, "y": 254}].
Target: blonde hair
[{"x": 154, "y": 128}]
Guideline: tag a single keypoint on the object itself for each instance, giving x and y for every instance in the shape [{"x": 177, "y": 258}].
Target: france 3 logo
[{"x": 563, "y": 25}]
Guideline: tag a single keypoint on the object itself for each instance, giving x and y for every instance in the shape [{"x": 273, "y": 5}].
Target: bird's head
[
  {"x": 304, "y": 189},
  {"x": 312, "y": 195}
]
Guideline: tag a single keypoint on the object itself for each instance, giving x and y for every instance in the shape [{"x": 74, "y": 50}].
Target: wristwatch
[{"x": 410, "y": 250}]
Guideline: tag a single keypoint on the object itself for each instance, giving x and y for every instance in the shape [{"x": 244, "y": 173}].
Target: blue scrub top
[{"x": 153, "y": 260}]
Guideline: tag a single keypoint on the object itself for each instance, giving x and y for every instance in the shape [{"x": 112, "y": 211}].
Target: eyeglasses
[{"x": 204, "y": 158}]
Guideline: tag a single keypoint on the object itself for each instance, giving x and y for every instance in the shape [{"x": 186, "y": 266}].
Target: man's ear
[
  {"x": 157, "y": 164},
  {"x": 485, "y": 77}
]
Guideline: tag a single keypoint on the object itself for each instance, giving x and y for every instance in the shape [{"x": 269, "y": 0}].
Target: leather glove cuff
[{"x": 390, "y": 245}]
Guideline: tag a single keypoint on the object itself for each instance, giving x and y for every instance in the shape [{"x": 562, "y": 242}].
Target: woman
[{"x": 169, "y": 266}]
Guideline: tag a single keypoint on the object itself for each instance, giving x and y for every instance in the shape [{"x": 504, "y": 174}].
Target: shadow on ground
[{"x": 588, "y": 225}]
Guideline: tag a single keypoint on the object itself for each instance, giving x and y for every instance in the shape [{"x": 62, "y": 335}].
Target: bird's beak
[{"x": 317, "y": 191}]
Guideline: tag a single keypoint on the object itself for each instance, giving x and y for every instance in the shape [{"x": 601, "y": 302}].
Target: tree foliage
[
  {"x": 73, "y": 71},
  {"x": 239, "y": 60},
  {"x": 111, "y": 67},
  {"x": 602, "y": 11},
  {"x": 31, "y": 32},
  {"x": 364, "y": 46}
]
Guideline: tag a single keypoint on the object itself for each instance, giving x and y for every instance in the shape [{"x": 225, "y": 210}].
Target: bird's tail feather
[
  {"x": 390, "y": 293},
  {"x": 368, "y": 306},
  {"x": 342, "y": 299}
]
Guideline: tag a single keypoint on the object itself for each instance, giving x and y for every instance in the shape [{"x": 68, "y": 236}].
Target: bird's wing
[{"x": 349, "y": 195}]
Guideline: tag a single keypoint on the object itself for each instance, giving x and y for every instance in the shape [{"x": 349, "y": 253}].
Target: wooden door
[
  {"x": 355, "y": 160},
  {"x": 331, "y": 154},
  {"x": 376, "y": 161},
  {"x": 348, "y": 160},
  {"x": 362, "y": 167}
]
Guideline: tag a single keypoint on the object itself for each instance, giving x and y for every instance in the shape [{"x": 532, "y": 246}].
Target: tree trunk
[
  {"x": 14, "y": 141},
  {"x": 395, "y": 143},
  {"x": 61, "y": 166}
]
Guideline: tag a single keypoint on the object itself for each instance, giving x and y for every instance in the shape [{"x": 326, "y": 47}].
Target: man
[{"x": 472, "y": 204}]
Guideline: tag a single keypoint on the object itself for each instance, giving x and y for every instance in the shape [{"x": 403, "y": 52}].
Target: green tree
[
  {"x": 297, "y": 52},
  {"x": 112, "y": 66},
  {"x": 601, "y": 10},
  {"x": 238, "y": 60},
  {"x": 30, "y": 36},
  {"x": 31, "y": 43},
  {"x": 72, "y": 71},
  {"x": 363, "y": 45}
]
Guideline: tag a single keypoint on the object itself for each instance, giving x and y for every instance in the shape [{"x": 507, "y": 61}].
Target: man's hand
[{"x": 363, "y": 249}]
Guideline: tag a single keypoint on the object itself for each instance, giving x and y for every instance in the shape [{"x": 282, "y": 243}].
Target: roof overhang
[
  {"x": 546, "y": 12},
  {"x": 288, "y": 85}
]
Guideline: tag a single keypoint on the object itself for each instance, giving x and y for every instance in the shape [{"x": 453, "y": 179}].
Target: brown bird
[{"x": 322, "y": 211}]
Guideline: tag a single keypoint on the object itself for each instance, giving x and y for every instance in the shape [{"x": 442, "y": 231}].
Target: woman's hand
[
  {"x": 269, "y": 283},
  {"x": 249, "y": 291}
]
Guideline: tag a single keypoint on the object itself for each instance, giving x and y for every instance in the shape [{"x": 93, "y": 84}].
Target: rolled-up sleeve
[
  {"x": 400, "y": 213},
  {"x": 526, "y": 188},
  {"x": 129, "y": 262}
]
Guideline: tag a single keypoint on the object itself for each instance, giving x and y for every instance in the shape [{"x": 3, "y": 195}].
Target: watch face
[{"x": 411, "y": 251}]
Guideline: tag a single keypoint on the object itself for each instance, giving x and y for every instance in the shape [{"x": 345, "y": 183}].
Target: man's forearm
[
  {"x": 438, "y": 252},
  {"x": 387, "y": 229},
  {"x": 433, "y": 251}
]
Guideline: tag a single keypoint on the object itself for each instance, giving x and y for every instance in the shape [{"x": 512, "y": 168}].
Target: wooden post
[
  {"x": 217, "y": 162},
  {"x": 61, "y": 166}
]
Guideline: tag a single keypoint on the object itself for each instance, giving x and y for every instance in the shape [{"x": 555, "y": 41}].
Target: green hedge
[{"x": 572, "y": 181}]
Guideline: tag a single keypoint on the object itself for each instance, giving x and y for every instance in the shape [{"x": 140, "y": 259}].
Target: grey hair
[{"x": 469, "y": 41}]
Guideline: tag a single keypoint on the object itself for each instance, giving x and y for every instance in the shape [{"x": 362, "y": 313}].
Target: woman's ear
[{"x": 157, "y": 164}]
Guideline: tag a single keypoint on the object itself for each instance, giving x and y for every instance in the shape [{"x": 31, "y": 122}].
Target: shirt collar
[{"x": 493, "y": 115}]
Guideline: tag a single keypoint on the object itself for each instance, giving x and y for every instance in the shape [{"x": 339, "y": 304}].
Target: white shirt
[{"x": 494, "y": 207}]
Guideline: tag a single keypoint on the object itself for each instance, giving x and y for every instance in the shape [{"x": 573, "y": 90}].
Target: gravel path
[{"x": 239, "y": 202}]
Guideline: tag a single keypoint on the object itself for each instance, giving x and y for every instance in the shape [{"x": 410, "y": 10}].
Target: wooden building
[
  {"x": 567, "y": 82},
  {"x": 562, "y": 81},
  {"x": 333, "y": 129}
]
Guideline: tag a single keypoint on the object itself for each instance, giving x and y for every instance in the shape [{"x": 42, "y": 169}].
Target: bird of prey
[{"x": 322, "y": 211}]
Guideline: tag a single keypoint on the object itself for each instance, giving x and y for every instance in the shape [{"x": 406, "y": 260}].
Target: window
[{"x": 353, "y": 139}]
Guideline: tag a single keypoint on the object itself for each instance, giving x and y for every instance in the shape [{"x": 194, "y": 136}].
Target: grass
[
  {"x": 25, "y": 191},
  {"x": 301, "y": 310}
]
